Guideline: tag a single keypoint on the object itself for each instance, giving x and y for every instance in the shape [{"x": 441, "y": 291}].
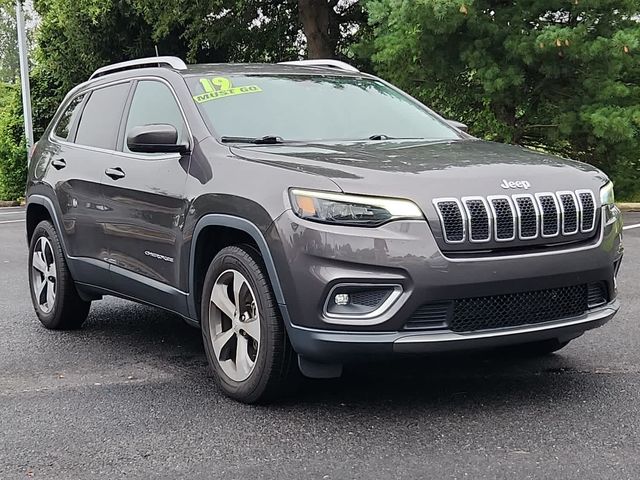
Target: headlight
[
  {"x": 341, "y": 209},
  {"x": 606, "y": 194}
]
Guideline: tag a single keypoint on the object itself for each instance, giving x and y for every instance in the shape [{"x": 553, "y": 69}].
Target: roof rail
[
  {"x": 173, "y": 62},
  {"x": 324, "y": 62}
]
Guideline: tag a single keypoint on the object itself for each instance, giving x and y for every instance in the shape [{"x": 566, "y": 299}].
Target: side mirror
[
  {"x": 458, "y": 125},
  {"x": 155, "y": 138}
]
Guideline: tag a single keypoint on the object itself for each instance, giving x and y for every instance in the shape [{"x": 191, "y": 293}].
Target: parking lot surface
[{"x": 129, "y": 396}]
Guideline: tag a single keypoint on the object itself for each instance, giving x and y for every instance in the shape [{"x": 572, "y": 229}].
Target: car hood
[{"x": 423, "y": 170}]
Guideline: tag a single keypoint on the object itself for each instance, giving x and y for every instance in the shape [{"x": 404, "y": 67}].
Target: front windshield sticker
[{"x": 220, "y": 87}]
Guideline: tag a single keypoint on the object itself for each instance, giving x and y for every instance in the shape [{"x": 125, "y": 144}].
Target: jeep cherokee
[{"x": 305, "y": 215}]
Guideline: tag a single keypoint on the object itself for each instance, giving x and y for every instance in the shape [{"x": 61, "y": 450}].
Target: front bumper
[
  {"x": 315, "y": 257},
  {"x": 339, "y": 347}
]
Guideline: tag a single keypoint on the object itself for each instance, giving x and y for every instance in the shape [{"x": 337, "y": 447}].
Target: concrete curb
[
  {"x": 629, "y": 206},
  {"x": 6, "y": 203}
]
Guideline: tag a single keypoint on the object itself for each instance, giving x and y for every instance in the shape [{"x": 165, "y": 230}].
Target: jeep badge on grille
[{"x": 516, "y": 184}]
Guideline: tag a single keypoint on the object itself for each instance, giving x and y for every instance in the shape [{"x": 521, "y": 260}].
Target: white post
[{"x": 24, "y": 75}]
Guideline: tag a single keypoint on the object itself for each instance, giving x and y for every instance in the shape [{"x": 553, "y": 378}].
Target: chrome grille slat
[
  {"x": 549, "y": 214},
  {"x": 503, "y": 218},
  {"x": 569, "y": 212},
  {"x": 528, "y": 214},
  {"x": 479, "y": 219},
  {"x": 587, "y": 202},
  {"x": 452, "y": 219}
]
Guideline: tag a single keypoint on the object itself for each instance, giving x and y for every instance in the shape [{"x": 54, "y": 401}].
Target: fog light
[{"x": 341, "y": 299}]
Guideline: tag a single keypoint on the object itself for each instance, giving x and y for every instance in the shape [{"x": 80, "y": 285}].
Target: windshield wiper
[
  {"x": 382, "y": 136},
  {"x": 266, "y": 140}
]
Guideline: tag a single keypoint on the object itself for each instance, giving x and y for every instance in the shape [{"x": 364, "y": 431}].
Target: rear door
[
  {"x": 144, "y": 196},
  {"x": 85, "y": 138}
]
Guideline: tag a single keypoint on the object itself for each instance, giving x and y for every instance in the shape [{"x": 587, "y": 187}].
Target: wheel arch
[{"x": 246, "y": 230}]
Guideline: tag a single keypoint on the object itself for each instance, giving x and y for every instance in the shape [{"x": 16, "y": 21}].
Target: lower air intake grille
[
  {"x": 515, "y": 309},
  {"x": 429, "y": 316},
  {"x": 597, "y": 294}
]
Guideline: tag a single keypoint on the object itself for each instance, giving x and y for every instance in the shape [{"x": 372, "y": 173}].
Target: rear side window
[
  {"x": 68, "y": 117},
  {"x": 101, "y": 117},
  {"x": 154, "y": 103}
]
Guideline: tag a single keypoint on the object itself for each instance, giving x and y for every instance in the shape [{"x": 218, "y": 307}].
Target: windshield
[{"x": 311, "y": 108}]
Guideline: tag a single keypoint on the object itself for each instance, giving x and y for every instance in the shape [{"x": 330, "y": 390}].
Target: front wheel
[{"x": 244, "y": 337}]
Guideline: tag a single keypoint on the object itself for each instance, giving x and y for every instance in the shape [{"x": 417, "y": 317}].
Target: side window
[
  {"x": 152, "y": 103},
  {"x": 101, "y": 117},
  {"x": 68, "y": 117}
]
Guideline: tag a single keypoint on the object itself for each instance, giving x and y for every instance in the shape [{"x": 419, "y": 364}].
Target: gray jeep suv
[{"x": 305, "y": 215}]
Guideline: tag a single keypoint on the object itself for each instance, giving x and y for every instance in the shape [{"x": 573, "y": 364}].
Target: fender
[
  {"x": 222, "y": 220},
  {"x": 47, "y": 203}
]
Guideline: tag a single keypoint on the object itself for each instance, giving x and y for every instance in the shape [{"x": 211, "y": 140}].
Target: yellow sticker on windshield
[{"x": 220, "y": 87}]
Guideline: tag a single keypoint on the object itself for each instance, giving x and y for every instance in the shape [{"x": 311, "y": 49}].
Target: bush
[{"x": 13, "y": 150}]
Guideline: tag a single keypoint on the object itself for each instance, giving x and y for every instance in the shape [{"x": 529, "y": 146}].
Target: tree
[
  {"x": 561, "y": 76},
  {"x": 330, "y": 25},
  {"x": 13, "y": 164},
  {"x": 9, "y": 63}
]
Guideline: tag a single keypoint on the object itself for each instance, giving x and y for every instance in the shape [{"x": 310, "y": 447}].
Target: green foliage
[
  {"x": 13, "y": 150},
  {"x": 9, "y": 64},
  {"x": 562, "y": 76}
]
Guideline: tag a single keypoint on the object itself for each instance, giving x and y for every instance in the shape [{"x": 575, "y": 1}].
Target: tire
[
  {"x": 246, "y": 368},
  {"x": 538, "y": 349},
  {"x": 58, "y": 305}
]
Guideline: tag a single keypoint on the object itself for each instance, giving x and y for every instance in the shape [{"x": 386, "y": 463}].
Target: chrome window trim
[
  {"x": 374, "y": 317},
  {"x": 563, "y": 213},
  {"x": 138, "y": 156},
  {"x": 437, "y": 201},
  {"x": 595, "y": 209},
  {"x": 555, "y": 201},
  {"x": 535, "y": 207},
  {"x": 490, "y": 199},
  {"x": 468, "y": 215}
]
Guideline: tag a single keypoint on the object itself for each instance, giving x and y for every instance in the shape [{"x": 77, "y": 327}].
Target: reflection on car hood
[{"x": 416, "y": 169}]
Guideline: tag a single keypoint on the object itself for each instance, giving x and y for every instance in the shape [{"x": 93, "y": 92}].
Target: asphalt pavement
[{"x": 129, "y": 396}]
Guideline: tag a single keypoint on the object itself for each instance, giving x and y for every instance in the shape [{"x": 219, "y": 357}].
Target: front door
[{"x": 146, "y": 206}]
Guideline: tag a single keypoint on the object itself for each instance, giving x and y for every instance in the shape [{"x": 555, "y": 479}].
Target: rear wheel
[
  {"x": 243, "y": 333},
  {"x": 53, "y": 292}
]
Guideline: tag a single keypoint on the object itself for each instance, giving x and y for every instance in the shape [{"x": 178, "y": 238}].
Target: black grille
[
  {"x": 429, "y": 316},
  {"x": 528, "y": 217},
  {"x": 588, "y": 210},
  {"x": 451, "y": 221},
  {"x": 515, "y": 309},
  {"x": 504, "y": 219},
  {"x": 570, "y": 213},
  {"x": 478, "y": 220},
  {"x": 597, "y": 294},
  {"x": 549, "y": 211},
  {"x": 369, "y": 298}
]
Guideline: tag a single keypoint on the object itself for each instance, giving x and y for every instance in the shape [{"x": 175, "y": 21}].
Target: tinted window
[
  {"x": 68, "y": 117},
  {"x": 101, "y": 117},
  {"x": 312, "y": 107},
  {"x": 152, "y": 103}
]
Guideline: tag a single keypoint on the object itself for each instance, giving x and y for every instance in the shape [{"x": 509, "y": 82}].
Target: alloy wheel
[
  {"x": 234, "y": 325},
  {"x": 44, "y": 275}
]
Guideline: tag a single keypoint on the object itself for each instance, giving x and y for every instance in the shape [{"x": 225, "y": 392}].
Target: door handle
[
  {"x": 114, "y": 173},
  {"x": 58, "y": 163}
]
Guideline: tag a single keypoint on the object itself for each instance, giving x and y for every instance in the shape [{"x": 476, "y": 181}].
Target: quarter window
[
  {"x": 153, "y": 103},
  {"x": 68, "y": 117},
  {"x": 101, "y": 117}
]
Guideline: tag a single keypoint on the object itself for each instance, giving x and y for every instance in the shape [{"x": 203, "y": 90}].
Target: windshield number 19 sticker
[{"x": 220, "y": 87}]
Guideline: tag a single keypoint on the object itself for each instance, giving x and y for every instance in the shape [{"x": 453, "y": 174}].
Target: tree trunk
[{"x": 315, "y": 16}]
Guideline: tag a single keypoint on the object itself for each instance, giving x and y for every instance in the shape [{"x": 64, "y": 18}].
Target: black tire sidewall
[{"x": 244, "y": 261}]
